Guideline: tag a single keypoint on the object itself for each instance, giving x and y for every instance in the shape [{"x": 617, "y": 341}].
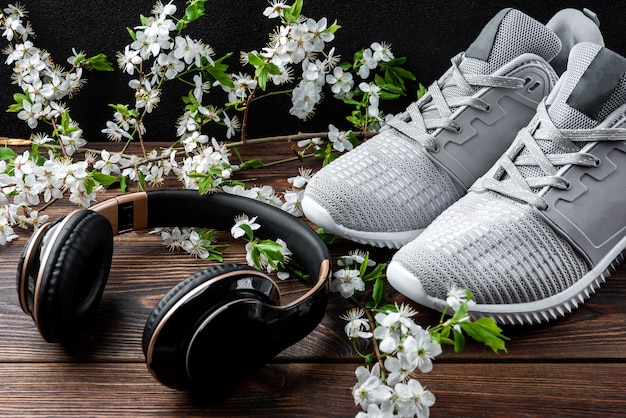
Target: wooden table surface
[{"x": 573, "y": 367}]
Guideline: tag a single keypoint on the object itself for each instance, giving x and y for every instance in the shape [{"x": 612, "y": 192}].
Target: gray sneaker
[
  {"x": 387, "y": 190},
  {"x": 545, "y": 226}
]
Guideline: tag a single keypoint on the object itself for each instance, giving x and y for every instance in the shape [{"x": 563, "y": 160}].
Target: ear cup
[
  {"x": 233, "y": 342},
  {"x": 76, "y": 259},
  {"x": 173, "y": 322}
]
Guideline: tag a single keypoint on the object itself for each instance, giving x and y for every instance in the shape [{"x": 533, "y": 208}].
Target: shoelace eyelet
[
  {"x": 534, "y": 86},
  {"x": 567, "y": 184}
]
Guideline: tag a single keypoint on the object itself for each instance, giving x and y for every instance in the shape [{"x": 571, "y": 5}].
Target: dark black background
[{"x": 428, "y": 32}]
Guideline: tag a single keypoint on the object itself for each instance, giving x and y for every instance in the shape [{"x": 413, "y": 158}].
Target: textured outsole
[
  {"x": 320, "y": 216},
  {"x": 544, "y": 310}
]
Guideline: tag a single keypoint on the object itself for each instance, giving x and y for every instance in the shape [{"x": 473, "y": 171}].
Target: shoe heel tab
[
  {"x": 573, "y": 26},
  {"x": 591, "y": 15}
]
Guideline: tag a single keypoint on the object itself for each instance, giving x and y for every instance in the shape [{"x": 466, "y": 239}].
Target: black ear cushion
[
  {"x": 74, "y": 275},
  {"x": 175, "y": 294}
]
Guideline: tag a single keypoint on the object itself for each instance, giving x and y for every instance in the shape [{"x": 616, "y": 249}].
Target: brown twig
[
  {"x": 14, "y": 142},
  {"x": 370, "y": 318}
]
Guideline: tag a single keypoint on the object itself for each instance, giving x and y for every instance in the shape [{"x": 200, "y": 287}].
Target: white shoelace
[
  {"x": 417, "y": 127},
  {"x": 516, "y": 186}
]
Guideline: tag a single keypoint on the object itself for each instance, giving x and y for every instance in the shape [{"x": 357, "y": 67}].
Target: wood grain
[
  {"x": 313, "y": 389},
  {"x": 571, "y": 367}
]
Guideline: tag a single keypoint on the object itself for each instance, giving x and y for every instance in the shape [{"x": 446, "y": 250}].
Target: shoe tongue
[
  {"x": 592, "y": 87},
  {"x": 508, "y": 35}
]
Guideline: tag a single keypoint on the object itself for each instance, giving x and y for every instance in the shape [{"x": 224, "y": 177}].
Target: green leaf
[
  {"x": 194, "y": 11},
  {"x": 90, "y": 184},
  {"x": 357, "y": 56},
  {"x": 263, "y": 70},
  {"x": 327, "y": 237},
  {"x": 36, "y": 157},
  {"x": 206, "y": 184},
  {"x": 396, "y": 62},
  {"x": 15, "y": 108},
  {"x": 300, "y": 275},
  {"x": 486, "y": 331},
  {"x": 350, "y": 101},
  {"x": 378, "y": 292},
  {"x": 272, "y": 250},
  {"x": 354, "y": 140},
  {"x": 190, "y": 101},
  {"x": 142, "y": 180},
  {"x": 123, "y": 184},
  {"x": 364, "y": 264},
  {"x": 421, "y": 91},
  {"x": 255, "y": 59},
  {"x": 293, "y": 13},
  {"x": 65, "y": 122},
  {"x": 345, "y": 66},
  {"x": 459, "y": 340},
  {"x": 7, "y": 154},
  {"x": 273, "y": 68},
  {"x": 296, "y": 8},
  {"x": 393, "y": 79},
  {"x": 401, "y": 72},
  {"x": 19, "y": 99},
  {"x": 122, "y": 108},
  {"x": 355, "y": 119},
  {"x": 327, "y": 153},
  {"x": 442, "y": 341},
  {"x": 378, "y": 272},
  {"x": 256, "y": 163},
  {"x": 104, "y": 179},
  {"x": 391, "y": 88},
  {"x": 445, "y": 333},
  {"x": 334, "y": 27},
  {"x": 132, "y": 33},
  {"x": 390, "y": 307},
  {"x": 215, "y": 251},
  {"x": 218, "y": 70},
  {"x": 254, "y": 255},
  {"x": 380, "y": 81},
  {"x": 80, "y": 57},
  {"x": 99, "y": 63},
  {"x": 384, "y": 95},
  {"x": 261, "y": 75},
  {"x": 249, "y": 233},
  {"x": 461, "y": 313}
]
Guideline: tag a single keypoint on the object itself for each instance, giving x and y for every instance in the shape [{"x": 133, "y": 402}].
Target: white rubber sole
[
  {"x": 320, "y": 216},
  {"x": 543, "y": 310}
]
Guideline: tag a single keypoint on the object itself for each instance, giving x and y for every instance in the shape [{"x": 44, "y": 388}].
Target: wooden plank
[{"x": 313, "y": 389}]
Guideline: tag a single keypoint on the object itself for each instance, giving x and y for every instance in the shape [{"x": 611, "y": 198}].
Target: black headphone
[{"x": 211, "y": 329}]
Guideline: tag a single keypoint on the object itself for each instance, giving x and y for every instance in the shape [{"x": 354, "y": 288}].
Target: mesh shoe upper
[
  {"x": 498, "y": 248},
  {"x": 394, "y": 182},
  {"x": 386, "y": 184}
]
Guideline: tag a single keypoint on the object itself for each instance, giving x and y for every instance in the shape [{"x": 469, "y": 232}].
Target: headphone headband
[{"x": 163, "y": 208}]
